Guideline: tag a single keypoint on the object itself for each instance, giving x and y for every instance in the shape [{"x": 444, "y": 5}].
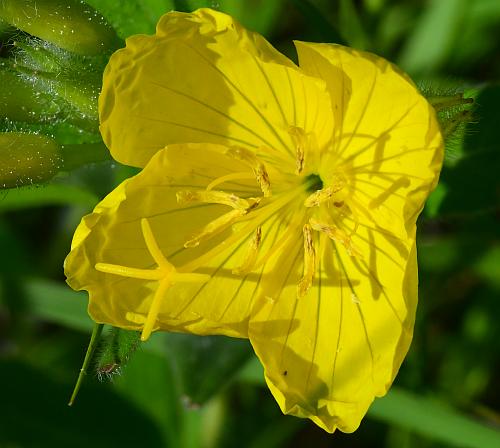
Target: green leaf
[
  {"x": 132, "y": 17},
  {"x": 43, "y": 195},
  {"x": 204, "y": 364},
  {"x": 488, "y": 266},
  {"x": 433, "y": 419},
  {"x": 434, "y": 34},
  {"x": 35, "y": 413},
  {"x": 256, "y": 15},
  {"x": 58, "y": 303},
  {"x": 324, "y": 30},
  {"x": 421, "y": 415},
  {"x": 350, "y": 25},
  {"x": 149, "y": 384}
]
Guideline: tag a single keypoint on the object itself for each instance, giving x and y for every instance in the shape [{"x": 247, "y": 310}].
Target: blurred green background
[{"x": 186, "y": 391}]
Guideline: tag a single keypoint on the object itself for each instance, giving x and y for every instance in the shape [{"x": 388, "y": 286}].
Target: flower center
[
  {"x": 313, "y": 183},
  {"x": 308, "y": 202}
]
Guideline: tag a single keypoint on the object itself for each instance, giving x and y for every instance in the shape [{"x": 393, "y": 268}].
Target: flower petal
[
  {"x": 387, "y": 141},
  {"x": 204, "y": 78},
  {"x": 329, "y": 354},
  {"x": 112, "y": 235}
]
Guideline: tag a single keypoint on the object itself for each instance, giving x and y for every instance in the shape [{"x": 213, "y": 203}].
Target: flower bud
[
  {"x": 22, "y": 101},
  {"x": 51, "y": 83},
  {"x": 69, "y": 24},
  {"x": 27, "y": 159}
]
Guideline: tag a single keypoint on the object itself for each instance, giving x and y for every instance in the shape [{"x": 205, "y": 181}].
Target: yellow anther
[
  {"x": 214, "y": 197},
  {"x": 259, "y": 169},
  {"x": 323, "y": 195},
  {"x": 337, "y": 235},
  {"x": 251, "y": 254},
  {"x": 229, "y": 177},
  {"x": 309, "y": 262},
  {"x": 300, "y": 141},
  {"x": 214, "y": 227}
]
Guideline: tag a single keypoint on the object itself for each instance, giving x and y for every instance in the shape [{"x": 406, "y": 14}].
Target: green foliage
[{"x": 133, "y": 17}]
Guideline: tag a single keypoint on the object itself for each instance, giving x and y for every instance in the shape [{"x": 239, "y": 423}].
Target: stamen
[
  {"x": 214, "y": 197},
  {"x": 299, "y": 139},
  {"x": 261, "y": 216},
  {"x": 229, "y": 177},
  {"x": 255, "y": 164},
  {"x": 282, "y": 241},
  {"x": 251, "y": 254},
  {"x": 214, "y": 227},
  {"x": 309, "y": 263},
  {"x": 336, "y": 235},
  {"x": 323, "y": 195}
]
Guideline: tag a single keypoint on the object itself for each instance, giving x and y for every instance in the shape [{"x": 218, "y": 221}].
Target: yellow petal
[
  {"x": 329, "y": 354},
  {"x": 204, "y": 78},
  {"x": 112, "y": 235},
  {"x": 387, "y": 141}
]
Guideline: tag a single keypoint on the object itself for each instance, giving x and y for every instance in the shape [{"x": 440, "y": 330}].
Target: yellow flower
[{"x": 276, "y": 203}]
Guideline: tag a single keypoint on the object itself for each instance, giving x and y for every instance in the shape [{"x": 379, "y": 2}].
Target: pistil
[{"x": 165, "y": 273}]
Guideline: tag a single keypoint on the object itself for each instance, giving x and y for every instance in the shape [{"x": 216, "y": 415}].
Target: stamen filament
[
  {"x": 258, "y": 168},
  {"x": 263, "y": 215},
  {"x": 229, "y": 177},
  {"x": 290, "y": 233},
  {"x": 251, "y": 254},
  {"x": 337, "y": 235},
  {"x": 323, "y": 195},
  {"x": 154, "y": 309},
  {"x": 214, "y": 227},
  {"x": 126, "y": 271},
  {"x": 299, "y": 139},
  {"x": 306, "y": 281},
  {"x": 213, "y": 197}
]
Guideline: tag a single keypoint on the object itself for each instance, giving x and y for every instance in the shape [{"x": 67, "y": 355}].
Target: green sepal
[
  {"x": 454, "y": 110},
  {"x": 115, "y": 350},
  {"x": 69, "y": 24}
]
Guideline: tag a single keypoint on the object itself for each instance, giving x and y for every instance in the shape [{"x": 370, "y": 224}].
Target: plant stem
[{"x": 94, "y": 339}]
